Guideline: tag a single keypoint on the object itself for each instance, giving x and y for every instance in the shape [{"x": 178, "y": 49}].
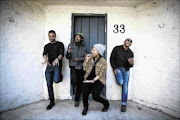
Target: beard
[
  {"x": 52, "y": 40},
  {"x": 79, "y": 43},
  {"x": 126, "y": 45}
]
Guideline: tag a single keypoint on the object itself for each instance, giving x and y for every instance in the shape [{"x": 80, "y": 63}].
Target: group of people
[{"x": 88, "y": 71}]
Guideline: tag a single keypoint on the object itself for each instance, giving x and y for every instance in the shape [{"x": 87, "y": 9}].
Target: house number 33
[{"x": 120, "y": 28}]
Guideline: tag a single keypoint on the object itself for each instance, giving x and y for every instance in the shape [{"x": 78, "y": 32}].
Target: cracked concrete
[{"x": 66, "y": 110}]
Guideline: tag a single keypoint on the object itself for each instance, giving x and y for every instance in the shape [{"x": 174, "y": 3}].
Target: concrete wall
[
  {"x": 154, "y": 28},
  {"x": 21, "y": 44},
  {"x": 59, "y": 18},
  {"x": 157, "y": 48}
]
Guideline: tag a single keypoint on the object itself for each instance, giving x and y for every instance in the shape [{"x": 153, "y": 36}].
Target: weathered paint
[{"x": 154, "y": 28}]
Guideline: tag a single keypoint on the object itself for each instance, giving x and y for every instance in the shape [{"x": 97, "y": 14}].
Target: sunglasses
[{"x": 129, "y": 40}]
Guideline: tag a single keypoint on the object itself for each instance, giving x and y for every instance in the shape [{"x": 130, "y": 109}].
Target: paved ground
[{"x": 65, "y": 110}]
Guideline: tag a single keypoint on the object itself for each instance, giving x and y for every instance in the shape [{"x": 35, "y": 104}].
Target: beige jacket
[{"x": 100, "y": 68}]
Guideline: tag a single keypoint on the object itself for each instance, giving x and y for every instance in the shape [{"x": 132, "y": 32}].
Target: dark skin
[
  {"x": 127, "y": 44},
  {"x": 52, "y": 40},
  {"x": 77, "y": 39}
]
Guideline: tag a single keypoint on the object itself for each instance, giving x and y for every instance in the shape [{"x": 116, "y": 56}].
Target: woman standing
[{"x": 95, "y": 78}]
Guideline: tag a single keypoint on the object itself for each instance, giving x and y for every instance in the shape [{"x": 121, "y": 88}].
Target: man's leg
[
  {"x": 80, "y": 77},
  {"x": 73, "y": 76},
  {"x": 119, "y": 77},
  {"x": 56, "y": 74},
  {"x": 96, "y": 95},
  {"x": 125, "y": 89},
  {"x": 74, "y": 82},
  {"x": 49, "y": 81}
]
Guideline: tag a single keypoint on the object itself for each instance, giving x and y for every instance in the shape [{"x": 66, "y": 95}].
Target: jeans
[
  {"x": 52, "y": 73},
  {"x": 96, "y": 89},
  {"x": 77, "y": 77},
  {"x": 122, "y": 78}
]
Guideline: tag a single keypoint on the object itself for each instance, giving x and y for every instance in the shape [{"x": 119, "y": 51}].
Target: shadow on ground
[{"x": 65, "y": 110}]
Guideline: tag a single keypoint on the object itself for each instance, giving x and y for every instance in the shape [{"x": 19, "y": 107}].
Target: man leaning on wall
[
  {"x": 121, "y": 60},
  {"x": 53, "y": 54},
  {"x": 76, "y": 54}
]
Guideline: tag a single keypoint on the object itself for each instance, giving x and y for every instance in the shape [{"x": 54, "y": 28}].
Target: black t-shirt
[
  {"x": 119, "y": 57},
  {"x": 92, "y": 75},
  {"x": 53, "y": 50}
]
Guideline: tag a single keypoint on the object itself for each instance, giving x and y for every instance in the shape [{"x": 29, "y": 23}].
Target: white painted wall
[
  {"x": 156, "y": 80},
  {"x": 58, "y": 18},
  {"x": 21, "y": 44}
]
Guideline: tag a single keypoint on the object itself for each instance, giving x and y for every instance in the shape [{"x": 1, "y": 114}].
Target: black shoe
[
  {"x": 123, "y": 108},
  {"x": 84, "y": 112},
  {"x": 106, "y": 107},
  {"x": 76, "y": 103},
  {"x": 50, "y": 105}
]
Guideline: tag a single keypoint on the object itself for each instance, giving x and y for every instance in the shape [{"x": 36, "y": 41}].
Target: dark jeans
[
  {"x": 77, "y": 77},
  {"x": 96, "y": 89},
  {"x": 53, "y": 73}
]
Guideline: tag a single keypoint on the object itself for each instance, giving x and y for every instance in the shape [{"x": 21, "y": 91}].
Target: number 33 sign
[{"x": 121, "y": 28}]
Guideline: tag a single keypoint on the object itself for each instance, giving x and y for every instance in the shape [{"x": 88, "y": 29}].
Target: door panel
[
  {"x": 93, "y": 32},
  {"x": 93, "y": 28}
]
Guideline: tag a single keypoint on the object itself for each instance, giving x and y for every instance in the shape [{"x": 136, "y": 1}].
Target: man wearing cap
[
  {"x": 76, "y": 54},
  {"x": 121, "y": 60}
]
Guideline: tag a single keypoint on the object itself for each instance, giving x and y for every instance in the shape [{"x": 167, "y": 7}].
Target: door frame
[{"x": 89, "y": 15}]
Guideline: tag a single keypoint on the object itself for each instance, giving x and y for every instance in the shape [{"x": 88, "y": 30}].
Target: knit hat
[
  {"x": 101, "y": 48},
  {"x": 79, "y": 33}
]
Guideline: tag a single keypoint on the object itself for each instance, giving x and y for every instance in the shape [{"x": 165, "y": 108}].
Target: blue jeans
[
  {"x": 53, "y": 73},
  {"x": 122, "y": 78}
]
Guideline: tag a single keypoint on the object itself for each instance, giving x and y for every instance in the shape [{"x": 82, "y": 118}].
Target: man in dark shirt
[
  {"x": 121, "y": 60},
  {"x": 76, "y": 54},
  {"x": 53, "y": 54}
]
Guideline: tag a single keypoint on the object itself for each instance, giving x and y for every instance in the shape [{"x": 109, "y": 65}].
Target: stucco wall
[
  {"x": 156, "y": 80},
  {"x": 59, "y": 19},
  {"x": 154, "y": 28},
  {"x": 21, "y": 42}
]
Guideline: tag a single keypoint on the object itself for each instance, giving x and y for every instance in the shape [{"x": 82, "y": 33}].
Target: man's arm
[
  {"x": 84, "y": 56},
  {"x": 45, "y": 52},
  {"x": 112, "y": 58},
  {"x": 131, "y": 61},
  {"x": 69, "y": 50},
  {"x": 61, "y": 55},
  {"x": 46, "y": 60}
]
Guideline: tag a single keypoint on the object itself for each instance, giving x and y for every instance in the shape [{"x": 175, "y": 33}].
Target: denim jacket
[{"x": 78, "y": 51}]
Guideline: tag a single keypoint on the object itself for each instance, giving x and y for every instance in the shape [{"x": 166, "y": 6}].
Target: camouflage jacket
[
  {"x": 78, "y": 51},
  {"x": 100, "y": 68}
]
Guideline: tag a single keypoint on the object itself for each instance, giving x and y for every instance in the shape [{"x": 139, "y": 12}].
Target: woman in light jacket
[{"x": 95, "y": 78}]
